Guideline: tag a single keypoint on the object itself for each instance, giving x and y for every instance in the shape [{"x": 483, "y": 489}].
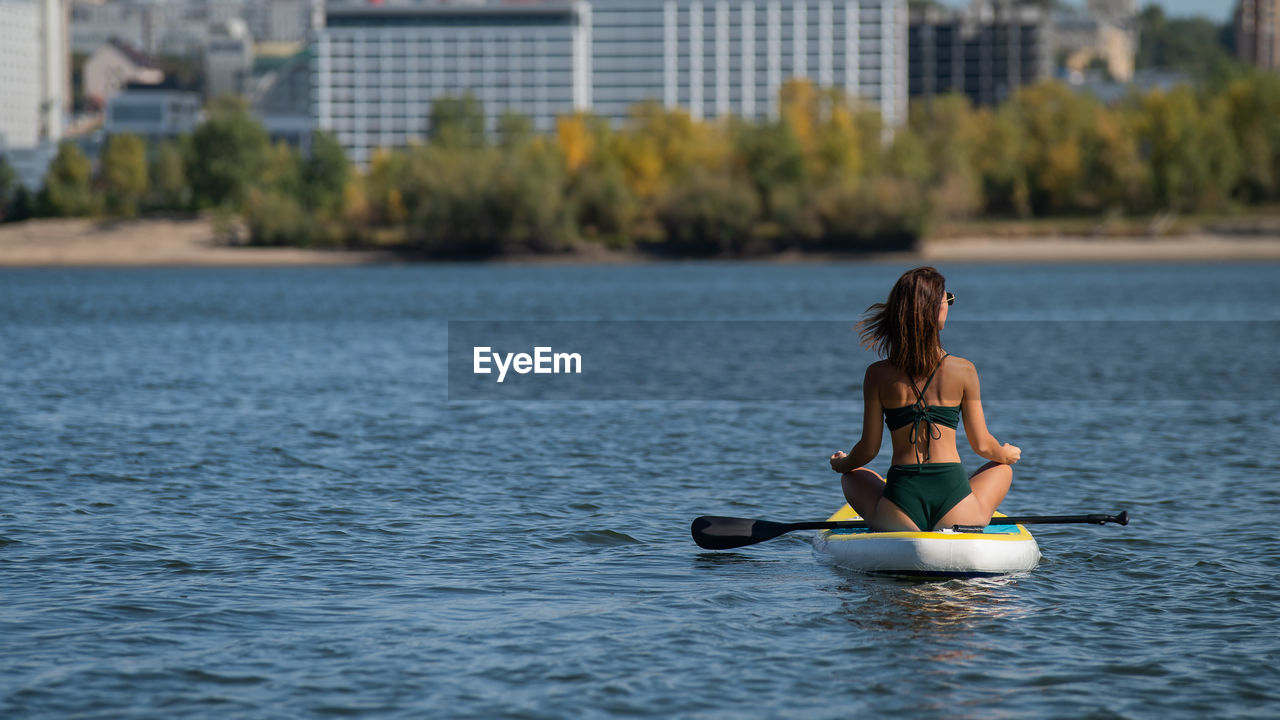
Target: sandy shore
[
  {"x": 192, "y": 242},
  {"x": 1181, "y": 248},
  {"x": 146, "y": 242}
]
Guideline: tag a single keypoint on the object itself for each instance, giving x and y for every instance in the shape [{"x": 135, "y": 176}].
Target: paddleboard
[{"x": 997, "y": 550}]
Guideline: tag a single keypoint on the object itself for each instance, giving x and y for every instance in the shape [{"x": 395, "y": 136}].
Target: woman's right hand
[
  {"x": 839, "y": 461},
  {"x": 1011, "y": 453}
]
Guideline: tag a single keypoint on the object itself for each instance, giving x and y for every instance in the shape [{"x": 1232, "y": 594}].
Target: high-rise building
[
  {"x": 1112, "y": 11},
  {"x": 35, "y": 82},
  {"x": 1257, "y": 30},
  {"x": 717, "y": 57},
  {"x": 20, "y": 73},
  {"x": 377, "y": 69},
  {"x": 984, "y": 53}
]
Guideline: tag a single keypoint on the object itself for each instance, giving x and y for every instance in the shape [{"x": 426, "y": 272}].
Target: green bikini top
[{"x": 923, "y": 417}]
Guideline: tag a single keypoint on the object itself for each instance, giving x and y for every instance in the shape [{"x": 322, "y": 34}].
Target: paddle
[{"x": 723, "y": 533}]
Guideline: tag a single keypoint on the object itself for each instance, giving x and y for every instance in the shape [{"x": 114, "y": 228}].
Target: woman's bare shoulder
[
  {"x": 957, "y": 366},
  {"x": 880, "y": 369}
]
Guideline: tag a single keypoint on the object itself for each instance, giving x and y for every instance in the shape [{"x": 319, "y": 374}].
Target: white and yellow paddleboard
[{"x": 997, "y": 550}]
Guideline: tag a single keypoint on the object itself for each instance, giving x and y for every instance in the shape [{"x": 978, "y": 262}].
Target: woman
[{"x": 922, "y": 392}]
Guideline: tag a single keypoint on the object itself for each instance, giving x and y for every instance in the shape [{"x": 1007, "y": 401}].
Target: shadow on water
[{"x": 721, "y": 559}]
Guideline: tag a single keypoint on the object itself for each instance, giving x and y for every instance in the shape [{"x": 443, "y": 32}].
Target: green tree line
[{"x": 825, "y": 174}]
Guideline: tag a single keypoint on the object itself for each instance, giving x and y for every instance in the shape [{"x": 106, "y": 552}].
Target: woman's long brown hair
[{"x": 905, "y": 327}]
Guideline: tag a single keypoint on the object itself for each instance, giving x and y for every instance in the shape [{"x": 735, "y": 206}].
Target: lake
[{"x": 279, "y": 493}]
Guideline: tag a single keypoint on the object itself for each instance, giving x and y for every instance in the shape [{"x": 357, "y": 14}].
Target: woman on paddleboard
[{"x": 921, "y": 392}]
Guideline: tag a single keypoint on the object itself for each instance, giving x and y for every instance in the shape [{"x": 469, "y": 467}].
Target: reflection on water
[{"x": 935, "y": 607}]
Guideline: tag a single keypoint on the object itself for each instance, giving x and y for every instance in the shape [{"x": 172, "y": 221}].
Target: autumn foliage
[{"x": 824, "y": 175}]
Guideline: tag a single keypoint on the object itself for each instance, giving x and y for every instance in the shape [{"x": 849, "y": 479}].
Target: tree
[
  {"x": 1252, "y": 104},
  {"x": 457, "y": 122},
  {"x": 1193, "y": 44},
  {"x": 8, "y": 188},
  {"x": 124, "y": 174},
  {"x": 21, "y": 207},
  {"x": 950, "y": 134},
  {"x": 67, "y": 190},
  {"x": 168, "y": 174},
  {"x": 227, "y": 154},
  {"x": 283, "y": 172},
  {"x": 514, "y": 129},
  {"x": 275, "y": 218},
  {"x": 772, "y": 158},
  {"x": 576, "y": 141},
  {"x": 325, "y": 172},
  {"x": 708, "y": 213}
]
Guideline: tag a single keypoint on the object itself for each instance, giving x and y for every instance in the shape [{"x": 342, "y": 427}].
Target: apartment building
[
  {"x": 376, "y": 69},
  {"x": 984, "y": 53},
  {"x": 1257, "y": 31}
]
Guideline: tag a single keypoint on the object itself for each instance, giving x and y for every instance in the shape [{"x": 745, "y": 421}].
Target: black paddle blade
[{"x": 724, "y": 533}]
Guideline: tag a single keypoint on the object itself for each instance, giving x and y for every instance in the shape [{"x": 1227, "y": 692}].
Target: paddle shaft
[
  {"x": 723, "y": 533},
  {"x": 1095, "y": 519}
]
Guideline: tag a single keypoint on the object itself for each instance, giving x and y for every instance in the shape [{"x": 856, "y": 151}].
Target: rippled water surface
[{"x": 245, "y": 493}]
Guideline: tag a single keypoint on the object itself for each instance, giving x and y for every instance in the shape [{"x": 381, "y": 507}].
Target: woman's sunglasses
[{"x": 951, "y": 299}]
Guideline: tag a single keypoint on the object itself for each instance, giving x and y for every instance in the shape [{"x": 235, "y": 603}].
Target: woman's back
[{"x": 929, "y": 431}]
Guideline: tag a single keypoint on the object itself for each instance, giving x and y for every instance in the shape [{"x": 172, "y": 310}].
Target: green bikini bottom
[{"x": 927, "y": 492}]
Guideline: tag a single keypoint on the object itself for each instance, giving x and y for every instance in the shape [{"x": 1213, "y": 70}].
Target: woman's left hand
[{"x": 838, "y": 462}]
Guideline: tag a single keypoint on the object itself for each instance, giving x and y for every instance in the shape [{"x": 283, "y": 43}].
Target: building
[
  {"x": 94, "y": 23},
  {"x": 1116, "y": 12},
  {"x": 153, "y": 112},
  {"x": 114, "y": 65},
  {"x": 282, "y": 21},
  {"x": 20, "y": 75},
  {"x": 1257, "y": 31},
  {"x": 377, "y": 69},
  {"x": 281, "y": 100},
  {"x": 1081, "y": 41},
  {"x": 984, "y": 53},
  {"x": 35, "y": 82},
  {"x": 716, "y": 58},
  {"x": 228, "y": 60}
]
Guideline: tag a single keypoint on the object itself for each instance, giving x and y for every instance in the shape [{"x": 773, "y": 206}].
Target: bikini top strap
[
  {"x": 921, "y": 391},
  {"x": 922, "y": 417}
]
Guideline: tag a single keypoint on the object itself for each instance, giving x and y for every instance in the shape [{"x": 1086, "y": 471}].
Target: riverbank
[
  {"x": 146, "y": 242},
  {"x": 192, "y": 242}
]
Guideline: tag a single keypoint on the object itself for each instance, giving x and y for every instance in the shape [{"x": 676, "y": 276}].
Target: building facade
[
  {"x": 35, "y": 83},
  {"x": 228, "y": 60},
  {"x": 984, "y": 53},
  {"x": 95, "y": 23},
  {"x": 1116, "y": 12},
  {"x": 153, "y": 112},
  {"x": 377, "y": 69},
  {"x": 20, "y": 77},
  {"x": 716, "y": 57},
  {"x": 281, "y": 100},
  {"x": 1257, "y": 32}
]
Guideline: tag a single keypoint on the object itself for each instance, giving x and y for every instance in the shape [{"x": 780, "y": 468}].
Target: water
[{"x": 244, "y": 493}]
